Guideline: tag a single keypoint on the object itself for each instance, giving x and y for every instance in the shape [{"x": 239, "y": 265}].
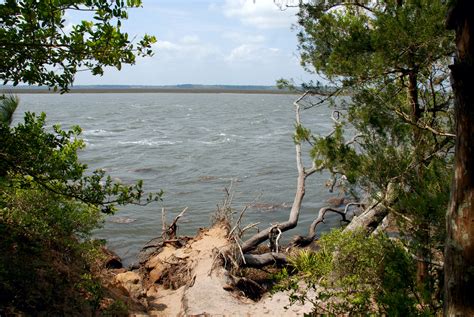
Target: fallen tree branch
[
  {"x": 375, "y": 213},
  {"x": 261, "y": 260},
  {"x": 303, "y": 241}
]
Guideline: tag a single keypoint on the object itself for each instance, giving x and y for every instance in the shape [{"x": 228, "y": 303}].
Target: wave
[
  {"x": 220, "y": 141},
  {"x": 274, "y": 134},
  {"x": 88, "y": 143},
  {"x": 97, "y": 132},
  {"x": 123, "y": 220},
  {"x": 149, "y": 142}
]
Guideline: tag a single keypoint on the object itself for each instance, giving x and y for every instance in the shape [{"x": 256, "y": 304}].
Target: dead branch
[
  {"x": 354, "y": 139},
  {"x": 274, "y": 237},
  {"x": 258, "y": 238},
  {"x": 346, "y": 209},
  {"x": 336, "y": 114},
  {"x": 240, "y": 249},
  {"x": 250, "y": 226},
  {"x": 277, "y": 240},
  {"x": 163, "y": 221},
  {"x": 325, "y": 98},
  {"x": 172, "y": 229},
  {"x": 375, "y": 213},
  {"x": 261, "y": 260},
  {"x": 314, "y": 168},
  {"x": 303, "y": 241},
  {"x": 237, "y": 224}
]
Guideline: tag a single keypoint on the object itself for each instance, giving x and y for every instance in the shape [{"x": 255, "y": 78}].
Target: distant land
[{"x": 183, "y": 88}]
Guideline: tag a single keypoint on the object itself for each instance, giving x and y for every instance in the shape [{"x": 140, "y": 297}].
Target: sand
[{"x": 189, "y": 280}]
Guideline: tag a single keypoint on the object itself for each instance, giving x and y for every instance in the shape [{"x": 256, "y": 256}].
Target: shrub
[
  {"x": 48, "y": 208},
  {"x": 353, "y": 273}
]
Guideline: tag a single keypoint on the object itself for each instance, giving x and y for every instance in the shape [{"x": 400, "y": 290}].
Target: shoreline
[{"x": 17, "y": 90}]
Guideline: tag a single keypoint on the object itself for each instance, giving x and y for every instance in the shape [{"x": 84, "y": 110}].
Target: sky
[{"x": 231, "y": 42}]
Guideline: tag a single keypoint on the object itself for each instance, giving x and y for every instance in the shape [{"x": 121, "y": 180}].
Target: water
[{"x": 192, "y": 146}]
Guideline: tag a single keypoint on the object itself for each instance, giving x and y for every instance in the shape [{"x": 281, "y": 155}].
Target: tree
[
  {"x": 49, "y": 205},
  {"x": 459, "y": 252},
  {"x": 36, "y": 47},
  {"x": 393, "y": 138}
]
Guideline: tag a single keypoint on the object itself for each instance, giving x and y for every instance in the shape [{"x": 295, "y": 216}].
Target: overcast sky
[{"x": 234, "y": 42}]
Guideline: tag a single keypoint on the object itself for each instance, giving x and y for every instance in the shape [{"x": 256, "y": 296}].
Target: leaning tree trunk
[
  {"x": 459, "y": 250},
  {"x": 303, "y": 173}
]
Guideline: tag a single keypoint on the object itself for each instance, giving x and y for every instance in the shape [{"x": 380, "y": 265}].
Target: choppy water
[{"x": 191, "y": 146}]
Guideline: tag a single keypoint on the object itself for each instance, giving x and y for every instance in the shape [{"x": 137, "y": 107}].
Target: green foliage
[
  {"x": 94, "y": 289},
  {"x": 43, "y": 215},
  {"x": 391, "y": 60},
  {"x": 374, "y": 53},
  {"x": 333, "y": 153},
  {"x": 48, "y": 208},
  {"x": 348, "y": 40},
  {"x": 48, "y": 204},
  {"x": 8, "y": 105},
  {"x": 355, "y": 274},
  {"x": 34, "y": 40},
  {"x": 302, "y": 134}
]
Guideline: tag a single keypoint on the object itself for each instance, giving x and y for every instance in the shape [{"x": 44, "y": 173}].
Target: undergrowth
[{"x": 353, "y": 273}]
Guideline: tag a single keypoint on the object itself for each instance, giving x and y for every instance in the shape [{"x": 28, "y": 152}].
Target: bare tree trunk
[
  {"x": 459, "y": 249},
  {"x": 369, "y": 220},
  {"x": 258, "y": 238},
  {"x": 373, "y": 215}
]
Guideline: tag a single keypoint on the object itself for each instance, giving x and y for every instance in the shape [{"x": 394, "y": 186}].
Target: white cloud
[
  {"x": 251, "y": 53},
  {"x": 190, "y": 40},
  {"x": 189, "y": 46},
  {"x": 166, "y": 45},
  {"x": 239, "y": 37},
  {"x": 262, "y": 14}
]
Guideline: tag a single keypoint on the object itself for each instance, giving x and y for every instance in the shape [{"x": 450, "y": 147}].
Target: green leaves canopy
[
  {"x": 392, "y": 59},
  {"x": 389, "y": 59},
  {"x": 37, "y": 47}
]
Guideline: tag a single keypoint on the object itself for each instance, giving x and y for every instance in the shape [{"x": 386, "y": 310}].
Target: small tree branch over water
[{"x": 263, "y": 235}]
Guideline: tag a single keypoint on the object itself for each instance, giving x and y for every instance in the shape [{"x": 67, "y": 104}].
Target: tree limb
[{"x": 258, "y": 238}]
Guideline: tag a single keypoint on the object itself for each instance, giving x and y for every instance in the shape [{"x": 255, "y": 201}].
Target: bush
[
  {"x": 353, "y": 273},
  {"x": 48, "y": 208}
]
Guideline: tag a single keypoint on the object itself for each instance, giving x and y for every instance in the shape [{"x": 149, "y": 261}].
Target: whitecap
[
  {"x": 219, "y": 141},
  {"x": 96, "y": 132},
  {"x": 124, "y": 220},
  {"x": 149, "y": 142}
]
